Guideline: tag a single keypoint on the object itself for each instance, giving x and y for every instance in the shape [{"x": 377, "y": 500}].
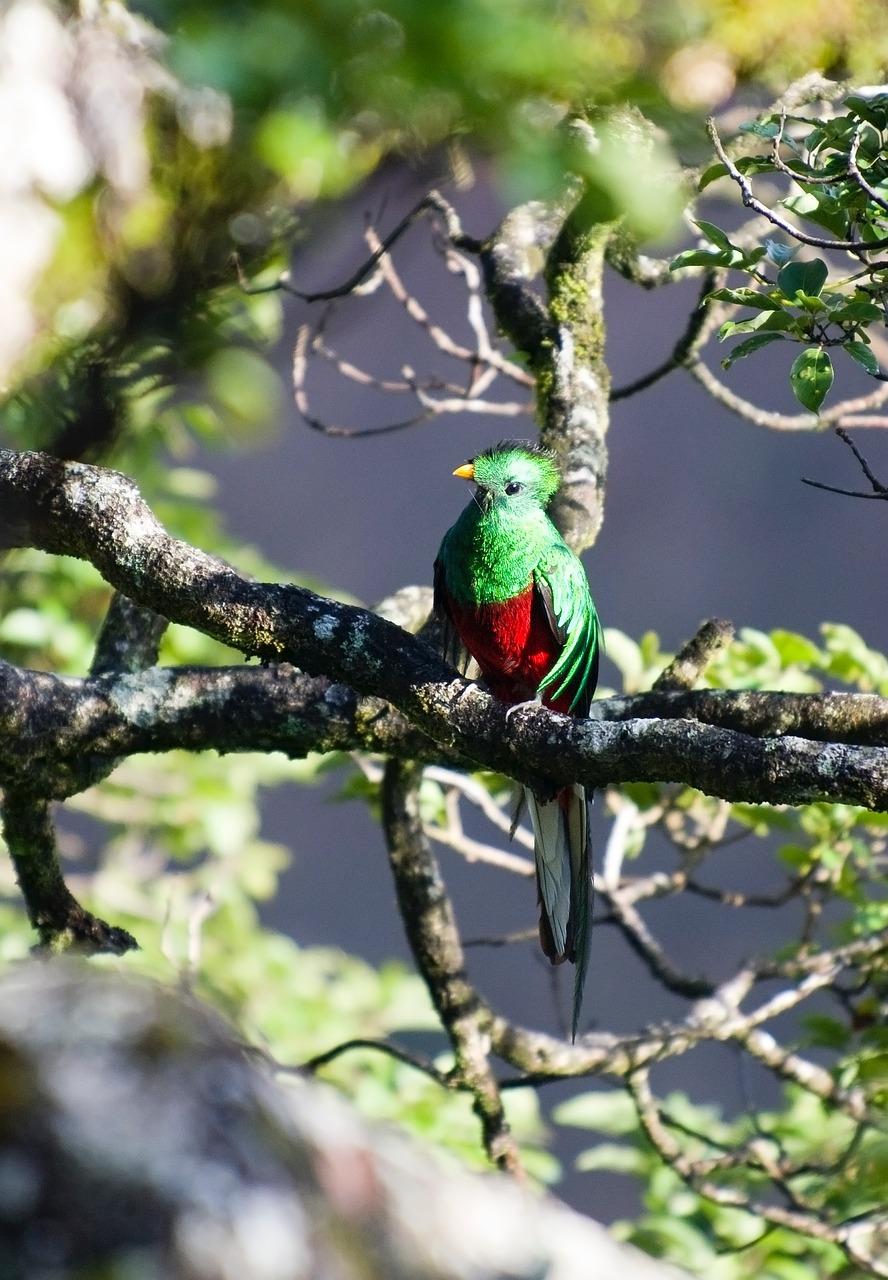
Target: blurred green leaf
[{"x": 605, "y": 1111}]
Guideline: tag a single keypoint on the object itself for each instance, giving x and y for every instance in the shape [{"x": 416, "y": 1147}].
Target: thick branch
[
  {"x": 99, "y": 516},
  {"x": 129, "y": 639},
  {"x": 434, "y": 940},
  {"x": 510, "y": 259},
  {"x": 573, "y": 384},
  {"x": 854, "y": 718},
  {"x": 65, "y": 734}
]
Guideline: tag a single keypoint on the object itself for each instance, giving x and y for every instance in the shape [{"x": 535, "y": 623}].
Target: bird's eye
[{"x": 513, "y": 487}]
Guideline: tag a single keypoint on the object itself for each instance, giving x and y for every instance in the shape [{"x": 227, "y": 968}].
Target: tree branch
[
  {"x": 434, "y": 940},
  {"x": 58, "y": 919},
  {"x": 98, "y": 515},
  {"x": 129, "y": 639},
  {"x": 692, "y": 659},
  {"x": 573, "y": 382}
]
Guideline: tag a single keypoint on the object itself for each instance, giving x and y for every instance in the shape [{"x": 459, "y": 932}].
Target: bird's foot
[{"x": 523, "y": 706}]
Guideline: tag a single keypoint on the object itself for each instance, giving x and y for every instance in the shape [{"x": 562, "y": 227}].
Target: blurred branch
[
  {"x": 432, "y": 202},
  {"x": 298, "y": 1176}
]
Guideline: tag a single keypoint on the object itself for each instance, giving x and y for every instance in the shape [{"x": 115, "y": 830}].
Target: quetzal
[{"x": 511, "y": 593}]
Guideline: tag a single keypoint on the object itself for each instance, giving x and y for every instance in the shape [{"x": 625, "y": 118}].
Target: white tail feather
[
  {"x": 552, "y": 854},
  {"x": 561, "y": 849}
]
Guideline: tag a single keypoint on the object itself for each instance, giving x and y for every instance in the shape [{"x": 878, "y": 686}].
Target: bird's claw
[{"x": 522, "y": 706}]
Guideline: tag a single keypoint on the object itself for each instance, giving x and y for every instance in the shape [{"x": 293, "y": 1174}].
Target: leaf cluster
[{"x": 835, "y": 170}]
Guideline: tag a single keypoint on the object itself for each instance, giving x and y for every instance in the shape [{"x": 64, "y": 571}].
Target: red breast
[{"x": 512, "y": 642}]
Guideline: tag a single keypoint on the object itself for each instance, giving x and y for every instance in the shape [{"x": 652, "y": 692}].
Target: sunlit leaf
[{"x": 811, "y": 377}]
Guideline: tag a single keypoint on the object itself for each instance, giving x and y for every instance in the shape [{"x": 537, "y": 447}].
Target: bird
[{"x": 511, "y": 594}]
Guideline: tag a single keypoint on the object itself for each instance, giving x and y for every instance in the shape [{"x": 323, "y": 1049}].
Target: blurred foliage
[
  {"x": 150, "y": 145},
  {"x": 719, "y": 1241}
]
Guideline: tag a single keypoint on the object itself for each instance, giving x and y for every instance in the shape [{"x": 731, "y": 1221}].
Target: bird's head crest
[{"x": 514, "y": 469}]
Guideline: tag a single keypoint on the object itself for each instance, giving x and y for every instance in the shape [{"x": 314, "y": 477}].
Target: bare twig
[
  {"x": 649, "y": 950},
  {"x": 433, "y": 202},
  {"x": 879, "y": 490},
  {"x": 854, "y": 169},
  {"x": 312, "y": 1065},
  {"x": 696, "y": 1173},
  {"x": 484, "y": 353},
  {"x": 695, "y": 334}
]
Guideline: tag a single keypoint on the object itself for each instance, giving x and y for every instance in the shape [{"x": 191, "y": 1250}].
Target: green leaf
[
  {"x": 797, "y": 856},
  {"x": 27, "y": 627},
  {"x": 795, "y": 649},
  {"x": 807, "y": 278},
  {"x": 874, "y": 1070},
  {"x": 747, "y": 298},
  {"x": 811, "y": 304},
  {"x": 822, "y": 208},
  {"x": 765, "y": 321},
  {"x": 700, "y": 258},
  {"x": 864, "y": 356},
  {"x": 746, "y": 348},
  {"x": 858, "y": 310},
  {"x": 811, "y": 376},
  {"x": 762, "y": 818},
  {"x": 714, "y": 234},
  {"x": 872, "y": 108},
  {"x": 826, "y": 1031},
  {"x": 731, "y": 328},
  {"x": 712, "y": 174}
]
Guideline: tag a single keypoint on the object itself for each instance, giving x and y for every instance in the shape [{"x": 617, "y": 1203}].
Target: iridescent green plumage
[{"x": 513, "y": 594}]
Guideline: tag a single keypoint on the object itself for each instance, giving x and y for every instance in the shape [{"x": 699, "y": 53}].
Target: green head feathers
[{"x": 514, "y": 472}]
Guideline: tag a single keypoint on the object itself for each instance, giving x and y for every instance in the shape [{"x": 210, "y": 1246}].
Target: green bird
[{"x": 511, "y": 594}]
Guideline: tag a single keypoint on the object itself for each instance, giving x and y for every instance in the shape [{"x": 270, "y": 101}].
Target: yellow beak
[{"x": 465, "y": 472}]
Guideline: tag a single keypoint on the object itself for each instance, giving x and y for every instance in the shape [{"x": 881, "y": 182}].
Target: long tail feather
[
  {"x": 561, "y": 848},
  {"x": 580, "y": 895}
]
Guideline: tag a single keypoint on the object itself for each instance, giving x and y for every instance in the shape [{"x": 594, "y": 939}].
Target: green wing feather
[
  {"x": 452, "y": 648},
  {"x": 561, "y": 582}
]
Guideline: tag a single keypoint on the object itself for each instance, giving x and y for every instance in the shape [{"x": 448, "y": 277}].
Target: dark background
[{"x": 705, "y": 516}]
